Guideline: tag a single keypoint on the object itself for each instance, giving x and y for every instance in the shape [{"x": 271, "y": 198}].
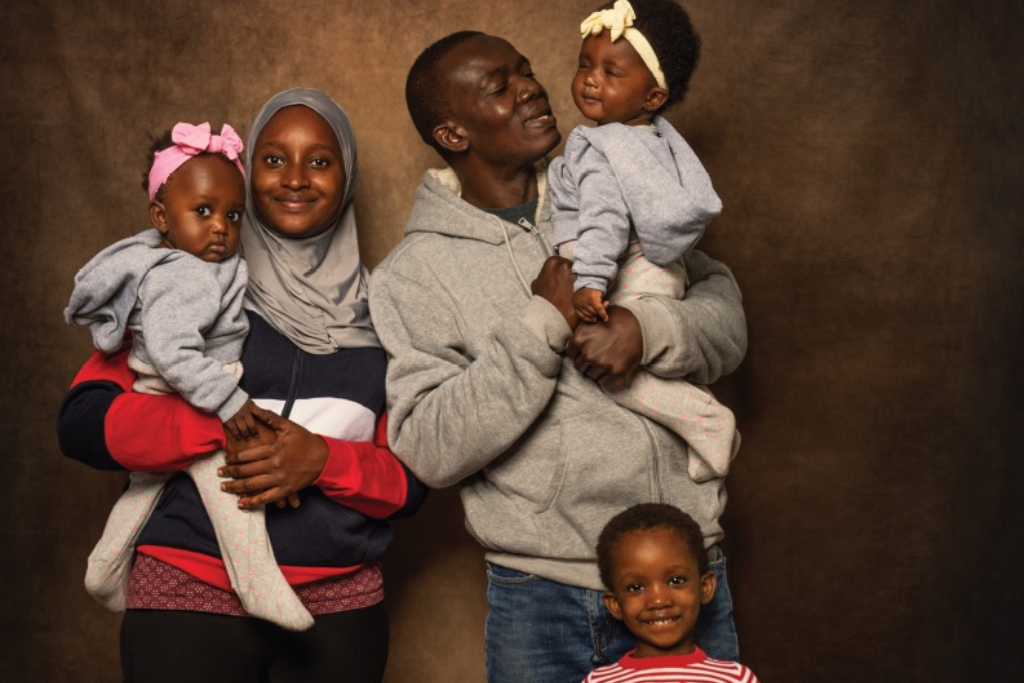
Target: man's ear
[
  {"x": 158, "y": 216},
  {"x": 655, "y": 99},
  {"x": 451, "y": 137},
  {"x": 612, "y": 605},
  {"x": 708, "y": 584}
]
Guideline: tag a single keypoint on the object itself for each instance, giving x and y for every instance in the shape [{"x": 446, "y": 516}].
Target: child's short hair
[
  {"x": 158, "y": 144},
  {"x": 667, "y": 27},
  {"x": 648, "y": 517},
  {"x": 424, "y": 84}
]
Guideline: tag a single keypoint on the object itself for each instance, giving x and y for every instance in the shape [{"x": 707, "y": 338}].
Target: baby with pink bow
[{"x": 177, "y": 288}]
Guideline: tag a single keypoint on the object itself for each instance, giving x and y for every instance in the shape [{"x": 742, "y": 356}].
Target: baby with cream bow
[
  {"x": 630, "y": 198},
  {"x": 178, "y": 289}
]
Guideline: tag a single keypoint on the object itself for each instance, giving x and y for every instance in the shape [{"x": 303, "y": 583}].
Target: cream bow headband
[{"x": 619, "y": 20}]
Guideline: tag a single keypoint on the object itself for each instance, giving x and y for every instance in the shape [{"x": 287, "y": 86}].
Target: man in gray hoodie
[{"x": 482, "y": 388}]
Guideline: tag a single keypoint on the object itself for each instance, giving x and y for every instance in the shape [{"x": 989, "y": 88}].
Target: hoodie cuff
[
  {"x": 232, "y": 405},
  {"x": 544, "y": 320},
  {"x": 657, "y": 325}
]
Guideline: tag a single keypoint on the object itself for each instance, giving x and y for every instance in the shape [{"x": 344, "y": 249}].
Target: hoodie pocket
[{"x": 604, "y": 466}]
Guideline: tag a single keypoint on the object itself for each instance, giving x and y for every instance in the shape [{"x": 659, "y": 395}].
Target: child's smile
[
  {"x": 658, "y": 591},
  {"x": 612, "y": 84}
]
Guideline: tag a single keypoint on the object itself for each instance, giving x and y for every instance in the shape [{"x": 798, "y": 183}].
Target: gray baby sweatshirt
[{"x": 185, "y": 315}]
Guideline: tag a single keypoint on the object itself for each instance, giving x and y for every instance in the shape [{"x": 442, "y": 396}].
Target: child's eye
[
  {"x": 634, "y": 588},
  {"x": 204, "y": 211},
  {"x": 320, "y": 163},
  {"x": 272, "y": 160},
  {"x": 677, "y": 581},
  {"x": 234, "y": 216}
]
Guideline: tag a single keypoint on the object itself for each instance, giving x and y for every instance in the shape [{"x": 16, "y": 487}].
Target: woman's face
[{"x": 298, "y": 173}]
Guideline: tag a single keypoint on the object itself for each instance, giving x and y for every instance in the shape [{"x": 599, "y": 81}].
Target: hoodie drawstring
[{"x": 515, "y": 264}]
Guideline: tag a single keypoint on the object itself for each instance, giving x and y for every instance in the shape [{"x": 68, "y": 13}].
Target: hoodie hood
[
  {"x": 107, "y": 287},
  {"x": 439, "y": 208}
]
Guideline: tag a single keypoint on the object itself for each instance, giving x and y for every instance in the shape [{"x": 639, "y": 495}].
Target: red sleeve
[
  {"x": 365, "y": 476},
  {"x": 148, "y": 433},
  {"x": 103, "y": 368}
]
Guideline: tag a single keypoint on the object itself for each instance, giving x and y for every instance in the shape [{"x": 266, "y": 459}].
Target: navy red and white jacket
[{"x": 341, "y": 522}]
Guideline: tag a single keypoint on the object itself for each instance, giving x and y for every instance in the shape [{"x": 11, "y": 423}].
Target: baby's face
[
  {"x": 612, "y": 84},
  {"x": 658, "y": 591},
  {"x": 202, "y": 207}
]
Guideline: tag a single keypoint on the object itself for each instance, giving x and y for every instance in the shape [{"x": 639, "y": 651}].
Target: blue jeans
[{"x": 539, "y": 631}]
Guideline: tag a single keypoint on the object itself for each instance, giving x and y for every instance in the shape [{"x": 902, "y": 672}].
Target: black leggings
[{"x": 160, "y": 646}]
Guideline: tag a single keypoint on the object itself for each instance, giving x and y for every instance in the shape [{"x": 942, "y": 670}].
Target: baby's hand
[
  {"x": 242, "y": 425},
  {"x": 590, "y": 305},
  {"x": 292, "y": 501}
]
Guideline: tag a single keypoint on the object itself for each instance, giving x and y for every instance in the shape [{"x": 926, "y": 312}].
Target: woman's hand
[{"x": 274, "y": 472}]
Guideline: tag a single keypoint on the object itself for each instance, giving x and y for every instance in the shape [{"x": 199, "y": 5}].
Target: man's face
[{"x": 496, "y": 104}]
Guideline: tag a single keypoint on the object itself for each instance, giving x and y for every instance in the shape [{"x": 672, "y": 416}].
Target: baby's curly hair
[
  {"x": 667, "y": 27},
  {"x": 648, "y": 517},
  {"x": 157, "y": 144}
]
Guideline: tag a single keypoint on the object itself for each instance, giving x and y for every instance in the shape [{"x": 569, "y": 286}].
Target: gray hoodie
[
  {"x": 185, "y": 315},
  {"x": 479, "y": 393},
  {"x": 616, "y": 183}
]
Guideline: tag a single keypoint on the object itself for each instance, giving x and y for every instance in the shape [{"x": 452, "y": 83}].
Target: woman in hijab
[{"x": 323, "y": 469}]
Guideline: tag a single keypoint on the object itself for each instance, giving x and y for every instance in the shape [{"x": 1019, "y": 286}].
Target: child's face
[
  {"x": 298, "y": 173},
  {"x": 657, "y": 591},
  {"x": 612, "y": 83},
  {"x": 202, "y": 207}
]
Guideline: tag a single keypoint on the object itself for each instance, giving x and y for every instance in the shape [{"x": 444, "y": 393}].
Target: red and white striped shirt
[{"x": 692, "y": 668}]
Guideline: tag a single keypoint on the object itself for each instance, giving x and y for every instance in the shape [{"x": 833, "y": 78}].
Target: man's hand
[
  {"x": 608, "y": 352},
  {"x": 555, "y": 283}
]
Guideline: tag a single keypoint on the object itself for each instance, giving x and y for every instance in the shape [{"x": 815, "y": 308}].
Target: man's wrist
[
  {"x": 651, "y": 316},
  {"x": 545, "y": 320}
]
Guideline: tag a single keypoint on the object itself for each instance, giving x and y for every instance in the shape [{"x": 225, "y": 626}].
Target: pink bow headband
[{"x": 189, "y": 141}]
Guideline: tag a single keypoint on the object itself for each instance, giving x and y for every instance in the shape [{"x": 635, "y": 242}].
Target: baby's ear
[
  {"x": 656, "y": 98},
  {"x": 158, "y": 216},
  {"x": 612, "y": 605},
  {"x": 708, "y": 584}
]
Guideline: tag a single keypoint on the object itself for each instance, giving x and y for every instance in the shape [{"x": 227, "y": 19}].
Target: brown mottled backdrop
[{"x": 869, "y": 155}]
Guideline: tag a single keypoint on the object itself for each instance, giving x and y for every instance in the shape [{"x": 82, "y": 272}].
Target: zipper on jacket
[
  {"x": 293, "y": 386},
  {"x": 529, "y": 227},
  {"x": 655, "y": 468}
]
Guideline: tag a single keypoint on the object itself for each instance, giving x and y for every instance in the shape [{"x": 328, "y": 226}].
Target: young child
[
  {"x": 178, "y": 289},
  {"x": 652, "y": 560},
  {"x": 630, "y": 198}
]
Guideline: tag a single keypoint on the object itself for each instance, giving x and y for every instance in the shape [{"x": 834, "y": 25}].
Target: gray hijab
[{"x": 311, "y": 290}]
